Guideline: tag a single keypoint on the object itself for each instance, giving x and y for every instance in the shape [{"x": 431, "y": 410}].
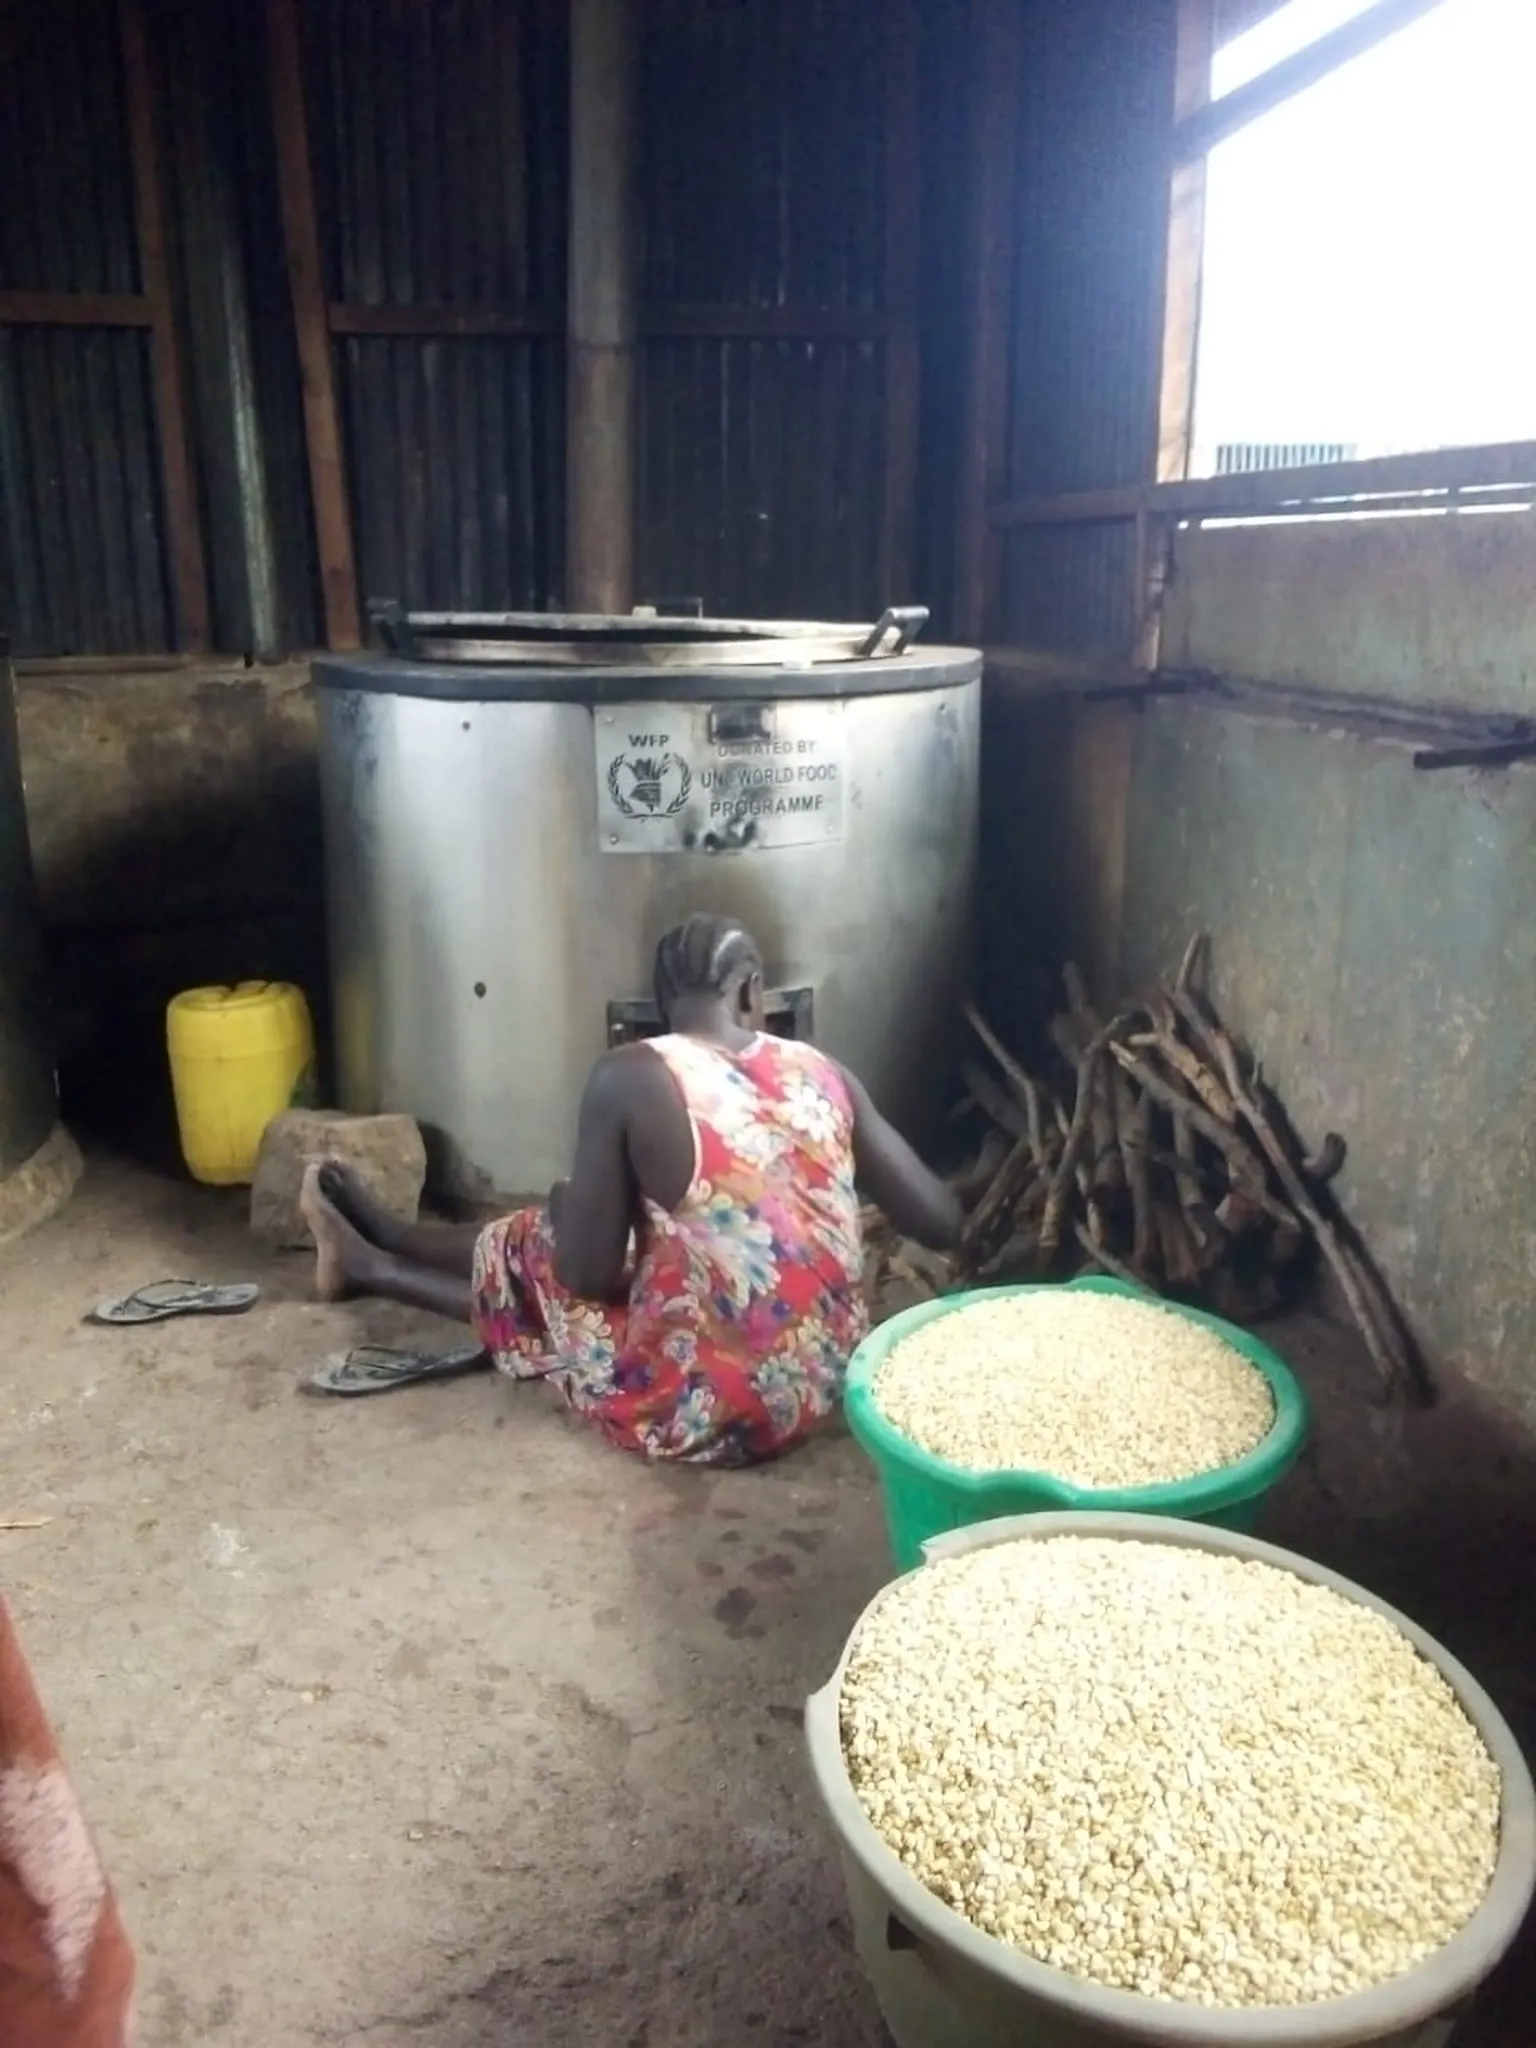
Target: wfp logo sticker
[{"x": 649, "y": 785}]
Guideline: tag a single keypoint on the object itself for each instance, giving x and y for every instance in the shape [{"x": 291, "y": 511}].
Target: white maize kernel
[
  {"x": 1344, "y": 1823},
  {"x": 1095, "y": 1389}
]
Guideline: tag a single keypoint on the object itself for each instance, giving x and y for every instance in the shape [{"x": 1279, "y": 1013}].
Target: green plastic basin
[{"x": 926, "y": 1496}]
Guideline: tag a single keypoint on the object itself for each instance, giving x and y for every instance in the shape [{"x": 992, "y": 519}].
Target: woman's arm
[
  {"x": 890, "y": 1173},
  {"x": 592, "y": 1213}
]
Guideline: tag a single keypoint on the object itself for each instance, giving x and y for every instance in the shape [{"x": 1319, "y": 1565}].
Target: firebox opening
[{"x": 791, "y": 1014}]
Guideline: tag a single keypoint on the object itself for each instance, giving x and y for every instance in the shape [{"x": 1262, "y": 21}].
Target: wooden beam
[
  {"x": 771, "y": 323},
  {"x": 1234, "y": 18},
  {"x": 997, "y": 43},
  {"x": 306, "y": 283},
  {"x": 903, "y": 224},
  {"x": 453, "y": 322},
  {"x": 75, "y": 309},
  {"x": 655, "y": 322},
  {"x": 1211, "y": 124},
  {"x": 1254, "y": 493},
  {"x": 183, "y": 527},
  {"x": 1177, "y": 321},
  {"x": 600, "y": 402},
  {"x": 1186, "y": 236}
]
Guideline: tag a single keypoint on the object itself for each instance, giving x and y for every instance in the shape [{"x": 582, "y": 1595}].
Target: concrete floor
[{"x": 430, "y": 1722}]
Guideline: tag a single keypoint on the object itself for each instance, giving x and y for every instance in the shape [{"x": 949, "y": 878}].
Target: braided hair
[{"x": 703, "y": 958}]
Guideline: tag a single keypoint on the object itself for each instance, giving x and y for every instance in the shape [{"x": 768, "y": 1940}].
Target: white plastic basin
[{"x": 942, "y": 1983}]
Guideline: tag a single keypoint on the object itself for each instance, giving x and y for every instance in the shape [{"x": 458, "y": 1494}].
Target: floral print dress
[{"x": 744, "y": 1304}]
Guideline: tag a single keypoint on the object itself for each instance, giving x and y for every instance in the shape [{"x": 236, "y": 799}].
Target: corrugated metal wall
[
  {"x": 242, "y": 367},
  {"x": 81, "y": 557},
  {"x": 762, "y": 476},
  {"x": 83, "y": 566},
  {"x": 1092, "y": 180},
  {"x": 242, "y": 364},
  {"x": 440, "y": 145},
  {"x": 762, "y": 186},
  {"x": 777, "y": 317}
]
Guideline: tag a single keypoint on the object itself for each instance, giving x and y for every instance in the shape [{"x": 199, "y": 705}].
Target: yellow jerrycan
[{"x": 239, "y": 1057}]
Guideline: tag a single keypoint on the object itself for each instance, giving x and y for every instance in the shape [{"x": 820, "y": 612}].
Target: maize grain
[
  {"x": 1188, "y": 1775},
  {"x": 1095, "y": 1389}
]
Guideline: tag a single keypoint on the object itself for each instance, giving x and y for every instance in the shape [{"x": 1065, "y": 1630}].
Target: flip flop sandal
[
  {"x": 164, "y": 1298},
  {"x": 375, "y": 1368}
]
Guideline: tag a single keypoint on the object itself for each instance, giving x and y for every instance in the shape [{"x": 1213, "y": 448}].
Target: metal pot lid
[{"x": 646, "y": 637}]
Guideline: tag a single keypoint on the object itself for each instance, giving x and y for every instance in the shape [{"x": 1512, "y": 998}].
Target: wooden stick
[
  {"x": 1373, "y": 1310},
  {"x": 1210, "y": 1039},
  {"x": 1020, "y": 1253},
  {"x": 1202, "y": 1083},
  {"x": 1180, "y": 1264},
  {"x": 1106, "y": 1259},
  {"x": 978, "y": 1177},
  {"x": 1077, "y": 1131},
  {"x": 997, "y": 1102},
  {"x": 1246, "y": 1168},
  {"x": 1323, "y": 1165},
  {"x": 1004, "y": 1182},
  {"x": 1133, "y": 1144},
  {"x": 1071, "y": 1034},
  {"x": 1197, "y": 1215},
  {"x": 1025, "y": 1087},
  {"x": 1196, "y": 958}
]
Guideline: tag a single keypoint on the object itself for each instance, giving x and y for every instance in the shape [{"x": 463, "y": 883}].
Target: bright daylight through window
[{"x": 1368, "y": 283}]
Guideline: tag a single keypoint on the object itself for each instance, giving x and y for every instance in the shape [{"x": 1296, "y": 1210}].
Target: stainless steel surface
[
  {"x": 642, "y": 637},
  {"x": 721, "y": 778},
  {"x": 480, "y": 931},
  {"x": 27, "y": 1099}
]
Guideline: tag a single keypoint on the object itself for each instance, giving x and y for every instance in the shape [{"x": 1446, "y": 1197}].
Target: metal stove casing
[{"x": 509, "y": 833}]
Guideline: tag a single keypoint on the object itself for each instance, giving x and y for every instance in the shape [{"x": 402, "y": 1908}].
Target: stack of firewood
[{"x": 1148, "y": 1146}]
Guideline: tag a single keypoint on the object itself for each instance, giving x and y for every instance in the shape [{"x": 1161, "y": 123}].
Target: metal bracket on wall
[
  {"x": 1487, "y": 753},
  {"x": 1464, "y": 739}
]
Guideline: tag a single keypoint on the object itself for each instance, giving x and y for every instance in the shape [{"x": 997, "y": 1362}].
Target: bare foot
[
  {"x": 343, "y": 1256},
  {"x": 343, "y": 1188}
]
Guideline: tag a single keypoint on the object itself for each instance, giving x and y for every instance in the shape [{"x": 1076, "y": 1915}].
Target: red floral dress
[{"x": 744, "y": 1304}]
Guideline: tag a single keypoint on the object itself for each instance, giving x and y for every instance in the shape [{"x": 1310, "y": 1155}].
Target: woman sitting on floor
[{"x": 695, "y": 1287}]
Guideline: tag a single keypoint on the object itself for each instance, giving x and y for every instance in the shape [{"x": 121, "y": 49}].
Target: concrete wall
[
  {"x": 174, "y": 817},
  {"x": 1425, "y": 611},
  {"x": 1374, "y": 927}
]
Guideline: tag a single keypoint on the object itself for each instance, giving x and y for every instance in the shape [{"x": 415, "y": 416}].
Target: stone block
[{"x": 386, "y": 1153}]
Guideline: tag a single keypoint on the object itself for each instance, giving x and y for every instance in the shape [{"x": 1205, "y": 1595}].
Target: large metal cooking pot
[{"x": 517, "y": 807}]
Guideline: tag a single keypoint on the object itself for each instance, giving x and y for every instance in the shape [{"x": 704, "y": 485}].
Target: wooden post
[
  {"x": 902, "y": 227},
  {"x": 306, "y": 281},
  {"x": 183, "y": 528},
  {"x": 997, "y": 42},
  {"x": 600, "y": 334},
  {"x": 1211, "y": 121},
  {"x": 1178, "y": 324}
]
